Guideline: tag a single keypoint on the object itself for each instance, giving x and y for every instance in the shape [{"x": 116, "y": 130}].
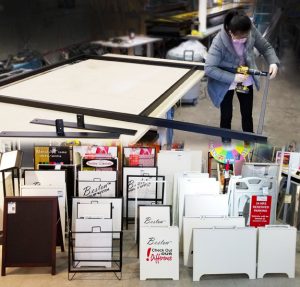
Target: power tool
[{"x": 245, "y": 71}]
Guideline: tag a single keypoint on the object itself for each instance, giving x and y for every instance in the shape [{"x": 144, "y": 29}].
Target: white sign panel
[
  {"x": 116, "y": 210},
  {"x": 45, "y": 177},
  {"x": 94, "y": 210},
  {"x": 224, "y": 251},
  {"x": 108, "y": 175},
  {"x": 90, "y": 237},
  {"x": 159, "y": 253},
  {"x": 155, "y": 216},
  {"x": 127, "y": 171},
  {"x": 189, "y": 223},
  {"x": 97, "y": 188},
  {"x": 206, "y": 205},
  {"x": 276, "y": 250}
]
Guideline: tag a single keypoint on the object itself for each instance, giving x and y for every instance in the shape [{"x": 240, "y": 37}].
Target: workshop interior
[{"x": 152, "y": 140}]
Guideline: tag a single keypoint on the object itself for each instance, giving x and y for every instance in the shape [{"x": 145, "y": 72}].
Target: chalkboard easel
[{"x": 29, "y": 232}]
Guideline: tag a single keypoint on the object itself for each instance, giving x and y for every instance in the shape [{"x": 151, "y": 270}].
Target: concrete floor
[{"x": 40, "y": 277}]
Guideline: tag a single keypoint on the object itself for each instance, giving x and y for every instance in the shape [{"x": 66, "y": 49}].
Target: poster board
[
  {"x": 260, "y": 210},
  {"x": 97, "y": 183},
  {"x": 97, "y": 188},
  {"x": 92, "y": 151},
  {"x": 159, "y": 253},
  {"x": 52, "y": 155},
  {"x": 10, "y": 160},
  {"x": 29, "y": 224},
  {"x": 45, "y": 177},
  {"x": 97, "y": 175}
]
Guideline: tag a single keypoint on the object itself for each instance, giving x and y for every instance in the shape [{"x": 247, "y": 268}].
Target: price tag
[
  {"x": 57, "y": 167},
  {"x": 265, "y": 190},
  {"x": 11, "y": 208}
]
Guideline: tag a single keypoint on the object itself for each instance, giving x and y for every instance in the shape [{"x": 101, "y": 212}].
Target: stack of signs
[
  {"x": 97, "y": 183},
  {"x": 159, "y": 245},
  {"x": 93, "y": 235}
]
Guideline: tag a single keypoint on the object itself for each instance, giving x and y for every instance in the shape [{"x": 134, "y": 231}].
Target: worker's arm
[
  {"x": 213, "y": 61},
  {"x": 265, "y": 48}
]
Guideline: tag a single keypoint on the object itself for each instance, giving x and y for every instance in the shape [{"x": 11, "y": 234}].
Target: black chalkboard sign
[{"x": 29, "y": 232}]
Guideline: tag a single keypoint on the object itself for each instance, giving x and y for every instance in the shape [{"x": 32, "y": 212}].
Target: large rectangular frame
[{"x": 143, "y": 117}]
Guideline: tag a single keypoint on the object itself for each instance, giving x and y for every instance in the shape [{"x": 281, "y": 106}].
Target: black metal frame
[
  {"x": 89, "y": 127},
  {"x": 99, "y": 198},
  {"x": 156, "y": 199},
  {"x": 118, "y": 262},
  {"x": 140, "y": 119},
  {"x": 29, "y": 134}
]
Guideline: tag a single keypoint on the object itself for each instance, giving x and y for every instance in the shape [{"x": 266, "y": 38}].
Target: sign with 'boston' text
[{"x": 159, "y": 253}]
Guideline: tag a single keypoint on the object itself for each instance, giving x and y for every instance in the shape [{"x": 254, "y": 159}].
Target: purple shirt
[{"x": 239, "y": 49}]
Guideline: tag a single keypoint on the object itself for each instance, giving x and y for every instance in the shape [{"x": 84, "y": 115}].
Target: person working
[{"x": 233, "y": 47}]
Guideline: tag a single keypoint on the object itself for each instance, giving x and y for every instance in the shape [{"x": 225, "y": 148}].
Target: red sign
[{"x": 260, "y": 212}]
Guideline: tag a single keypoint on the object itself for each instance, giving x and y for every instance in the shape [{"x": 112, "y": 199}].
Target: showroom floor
[{"x": 282, "y": 125}]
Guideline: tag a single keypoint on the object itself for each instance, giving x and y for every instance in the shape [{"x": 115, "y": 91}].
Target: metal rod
[
  {"x": 86, "y": 127},
  {"x": 178, "y": 125},
  {"x": 28, "y": 134}
]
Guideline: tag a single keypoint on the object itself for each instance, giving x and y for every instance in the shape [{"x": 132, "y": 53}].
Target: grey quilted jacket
[{"x": 222, "y": 54}]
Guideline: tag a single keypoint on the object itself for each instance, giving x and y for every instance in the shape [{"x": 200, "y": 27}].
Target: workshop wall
[{"x": 46, "y": 25}]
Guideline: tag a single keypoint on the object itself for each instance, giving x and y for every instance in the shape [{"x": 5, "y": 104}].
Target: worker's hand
[
  {"x": 273, "y": 71},
  {"x": 240, "y": 78}
]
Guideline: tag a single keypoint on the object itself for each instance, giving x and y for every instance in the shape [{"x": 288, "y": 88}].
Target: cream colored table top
[{"x": 105, "y": 85}]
